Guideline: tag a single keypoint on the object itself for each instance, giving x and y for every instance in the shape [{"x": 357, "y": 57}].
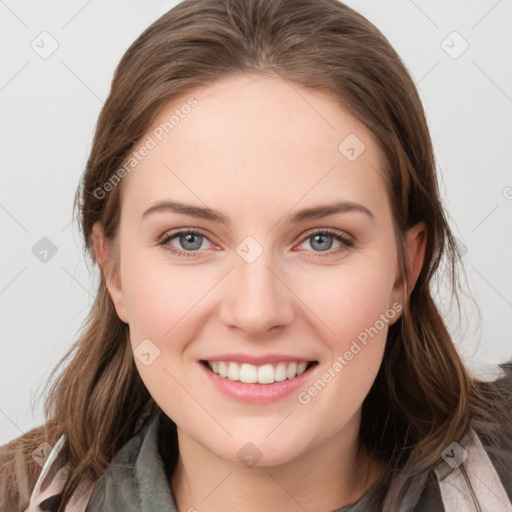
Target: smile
[{"x": 263, "y": 374}]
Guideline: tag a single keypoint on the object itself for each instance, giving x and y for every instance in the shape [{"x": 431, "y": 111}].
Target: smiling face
[{"x": 256, "y": 288}]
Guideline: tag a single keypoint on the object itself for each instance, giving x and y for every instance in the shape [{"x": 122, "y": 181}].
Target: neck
[{"x": 326, "y": 477}]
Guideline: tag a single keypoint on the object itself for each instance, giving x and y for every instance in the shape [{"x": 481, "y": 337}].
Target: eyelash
[{"x": 347, "y": 243}]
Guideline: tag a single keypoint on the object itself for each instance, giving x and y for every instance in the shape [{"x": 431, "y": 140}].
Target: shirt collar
[{"x": 136, "y": 479}]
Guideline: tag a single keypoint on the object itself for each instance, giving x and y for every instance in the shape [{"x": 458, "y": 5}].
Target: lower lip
[{"x": 256, "y": 393}]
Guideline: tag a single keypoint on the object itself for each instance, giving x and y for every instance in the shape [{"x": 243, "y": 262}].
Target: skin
[{"x": 258, "y": 149}]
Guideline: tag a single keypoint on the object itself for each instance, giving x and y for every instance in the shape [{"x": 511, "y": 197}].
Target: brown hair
[{"x": 423, "y": 398}]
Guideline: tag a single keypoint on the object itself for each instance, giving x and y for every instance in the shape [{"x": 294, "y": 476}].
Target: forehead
[{"x": 253, "y": 140}]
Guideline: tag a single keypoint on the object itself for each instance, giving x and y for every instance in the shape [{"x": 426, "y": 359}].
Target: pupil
[
  {"x": 321, "y": 238},
  {"x": 189, "y": 239}
]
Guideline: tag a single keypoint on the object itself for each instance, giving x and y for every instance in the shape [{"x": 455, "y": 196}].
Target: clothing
[{"x": 136, "y": 481}]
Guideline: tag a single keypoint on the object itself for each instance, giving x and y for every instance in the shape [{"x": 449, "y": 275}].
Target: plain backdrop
[{"x": 57, "y": 61}]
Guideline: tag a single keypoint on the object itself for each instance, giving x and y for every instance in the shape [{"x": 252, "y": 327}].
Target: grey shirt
[{"x": 136, "y": 481}]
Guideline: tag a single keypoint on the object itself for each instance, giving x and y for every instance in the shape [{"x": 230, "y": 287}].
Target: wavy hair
[{"x": 423, "y": 397}]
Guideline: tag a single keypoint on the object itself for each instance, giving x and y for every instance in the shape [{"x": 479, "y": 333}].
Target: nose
[{"x": 257, "y": 298}]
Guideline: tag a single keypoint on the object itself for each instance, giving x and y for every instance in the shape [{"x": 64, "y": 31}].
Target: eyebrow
[{"x": 314, "y": 212}]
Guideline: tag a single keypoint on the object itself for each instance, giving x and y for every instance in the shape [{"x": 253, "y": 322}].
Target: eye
[
  {"x": 322, "y": 241},
  {"x": 189, "y": 242}
]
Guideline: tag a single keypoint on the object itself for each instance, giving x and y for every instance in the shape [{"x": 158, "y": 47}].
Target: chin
[{"x": 256, "y": 450}]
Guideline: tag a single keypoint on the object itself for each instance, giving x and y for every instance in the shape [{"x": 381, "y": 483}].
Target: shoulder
[
  {"x": 33, "y": 472},
  {"x": 483, "y": 456},
  {"x": 495, "y": 427},
  {"x": 47, "y": 490},
  {"x": 496, "y": 438},
  {"x": 21, "y": 461},
  {"x": 51, "y": 480}
]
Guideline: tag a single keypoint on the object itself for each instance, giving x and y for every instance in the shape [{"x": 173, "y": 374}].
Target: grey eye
[
  {"x": 190, "y": 241},
  {"x": 321, "y": 241}
]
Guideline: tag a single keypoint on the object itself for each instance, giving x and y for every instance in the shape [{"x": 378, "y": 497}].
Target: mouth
[{"x": 269, "y": 373}]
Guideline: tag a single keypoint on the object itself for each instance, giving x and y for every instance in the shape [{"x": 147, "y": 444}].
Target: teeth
[
  {"x": 223, "y": 369},
  {"x": 280, "y": 372},
  {"x": 266, "y": 374},
  {"x": 291, "y": 371},
  {"x": 233, "y": 371},
  {"x": 301, "y": 368},
  {"x": 250, "y": 374}
]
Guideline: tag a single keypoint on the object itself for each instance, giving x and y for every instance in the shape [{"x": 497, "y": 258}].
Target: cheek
[
  {"x": 160, "y": 303},
  {"x": 350, "y": 299},
  {"x": 159, "y": 296},
  {"x": 355, "y": 306}
]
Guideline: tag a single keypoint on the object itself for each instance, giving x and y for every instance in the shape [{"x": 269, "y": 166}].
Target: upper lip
[{"x": 258, "y": 360}]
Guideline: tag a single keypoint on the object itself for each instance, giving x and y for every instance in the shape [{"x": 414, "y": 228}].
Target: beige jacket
[
  {"x": 486, "y": 481},
  {"x": 51, "y": 482}
]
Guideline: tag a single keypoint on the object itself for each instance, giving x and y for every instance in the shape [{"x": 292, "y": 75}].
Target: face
[{"x": 259, "y": 275}]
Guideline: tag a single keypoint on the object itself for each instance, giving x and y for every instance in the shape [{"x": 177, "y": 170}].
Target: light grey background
[{"x": 48, "y": 110}]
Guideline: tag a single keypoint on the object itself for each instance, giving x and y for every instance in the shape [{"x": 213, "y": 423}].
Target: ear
[
  {"x": 112, "y": 278},
  {"x": 416, "y": 243}
]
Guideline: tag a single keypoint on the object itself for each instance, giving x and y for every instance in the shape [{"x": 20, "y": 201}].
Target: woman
[{"x": 292, "y": 357}]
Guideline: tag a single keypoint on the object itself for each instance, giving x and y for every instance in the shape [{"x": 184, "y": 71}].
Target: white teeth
[
  {"x": 291, "y": 371},
  {"x": 223, "y": 369},
  {"x": 301, "y": 368},
  {"x": 233, "y": 371},
  {"x": 280, "y": 372},
  {"x": 248, "y": 373},
  {"x": 264, "y": 374}
]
